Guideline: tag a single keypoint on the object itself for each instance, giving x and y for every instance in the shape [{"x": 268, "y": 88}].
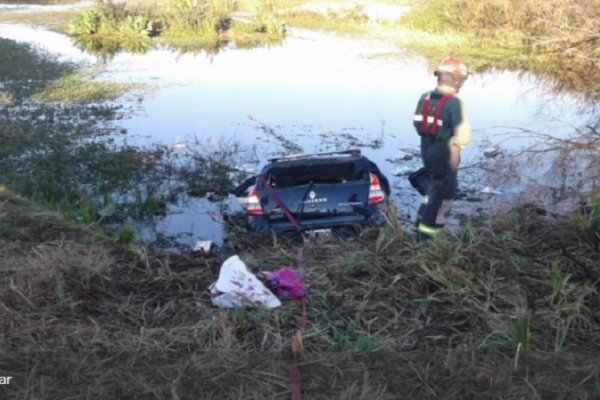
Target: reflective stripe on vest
[
  {"x": 419, "y": 118},
  {"x": 434, "y": 121}
]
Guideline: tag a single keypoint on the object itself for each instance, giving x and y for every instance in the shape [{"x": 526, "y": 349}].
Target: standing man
[{"x": 441, "y": 121}]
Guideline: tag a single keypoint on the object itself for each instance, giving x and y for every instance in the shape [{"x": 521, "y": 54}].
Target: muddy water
[{"x": 316, "y": 92}]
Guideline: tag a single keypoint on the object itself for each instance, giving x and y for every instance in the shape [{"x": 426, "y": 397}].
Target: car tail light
[
  {"x": 253, "y": 203},
  {"x": 376, "y": 195}
]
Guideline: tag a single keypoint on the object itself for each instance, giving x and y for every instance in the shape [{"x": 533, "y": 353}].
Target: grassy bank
[
  {"x": 53, "y": 18},
  {"x": 28, "y": 76},
  {"x": 555, "y": 38},
  {"x": 507, "y": 309}
]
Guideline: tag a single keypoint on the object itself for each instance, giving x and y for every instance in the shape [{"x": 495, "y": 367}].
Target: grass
[
  {"x": 26, "y": 221},
  {"x": 43, "y": 2},
  {"x": 190, "y": 25},
  {"x": 399, "y": 325},
  {"x": 56, "y": 21},
  {"x": 24, "y": 72},
  {"x": 32, "y": 77},
  {"x": 80, "y": 88}
]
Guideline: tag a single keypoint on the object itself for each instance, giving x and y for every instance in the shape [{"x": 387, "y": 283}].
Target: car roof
[
  {"x": 331, "y": 154},
  {"x": 296, "y": 160}
]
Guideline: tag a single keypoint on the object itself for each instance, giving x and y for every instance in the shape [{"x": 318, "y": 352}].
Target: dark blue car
[{"x": 315, "y": 191}]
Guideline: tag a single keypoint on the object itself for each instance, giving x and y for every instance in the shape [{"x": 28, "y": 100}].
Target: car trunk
[{"x": 320, "y": 190}]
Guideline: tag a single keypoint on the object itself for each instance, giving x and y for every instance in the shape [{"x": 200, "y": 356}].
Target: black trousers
[{"x": 437, "y": 181}]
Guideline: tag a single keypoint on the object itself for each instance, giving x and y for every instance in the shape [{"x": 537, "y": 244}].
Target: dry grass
[
  {"x": 506, "y": 310},
  {"x": 41, "y": 2}
]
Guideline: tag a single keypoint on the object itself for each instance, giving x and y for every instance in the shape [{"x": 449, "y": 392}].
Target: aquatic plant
[
  {"x": 185, "y": 24},
  {"x": 588, "y": 220},
  {"x": 134, "y": 25},
  {"x": 125, "y": 235},
  {"x": 24, "y": 71},
  {"x": 88, "y": 22},
  {"x": 212, "y": 169},
  {"x": 79, "y": 88}
]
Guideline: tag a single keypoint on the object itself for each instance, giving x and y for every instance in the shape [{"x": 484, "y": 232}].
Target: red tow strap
[
  {"x": 296, "y": 345},
  {"x": 283, "y": 207},
  {"x": 297, "y": 339}
]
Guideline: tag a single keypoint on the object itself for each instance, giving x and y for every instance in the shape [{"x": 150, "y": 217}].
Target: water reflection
[
  {"x": 320, "y": 92},
  {"x": 106, "y": 48}
]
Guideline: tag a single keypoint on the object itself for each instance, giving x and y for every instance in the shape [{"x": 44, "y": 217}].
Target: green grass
[
  {"x": 23, "y": 220},
  {"x": 189, "y": 25},
  {"x": 25, "y": 72},
  {"x": 80, "y": 88}
]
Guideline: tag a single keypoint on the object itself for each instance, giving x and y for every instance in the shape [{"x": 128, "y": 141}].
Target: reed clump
[
  {"x": 187, "y": 24},
  {"x": 555, "y": 38}
]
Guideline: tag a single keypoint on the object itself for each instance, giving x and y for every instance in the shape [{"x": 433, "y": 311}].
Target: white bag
[{"x": 238, "y": 287}]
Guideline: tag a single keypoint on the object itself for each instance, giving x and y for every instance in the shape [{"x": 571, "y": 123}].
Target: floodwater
[{"x": 316, "y": 92}]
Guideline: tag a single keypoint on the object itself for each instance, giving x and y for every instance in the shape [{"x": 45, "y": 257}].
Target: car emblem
[{"x": 312, "y": 194}]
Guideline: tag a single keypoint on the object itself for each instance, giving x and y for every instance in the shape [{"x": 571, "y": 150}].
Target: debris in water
[
  {"x": 491, "y": 152},
  {"x": 203, "y": 246},
  {"x": 489, "y": 190},
  {"x": 403, "y": 170}
]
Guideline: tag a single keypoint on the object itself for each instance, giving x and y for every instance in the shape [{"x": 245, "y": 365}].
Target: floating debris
[
  {"x": 491, "y": 152},
  {"x": 403, "y": 170},
  {"x": 179, "y": 145},
  {"x": 489, "y": 190},
  {"x": 203, "y": 246}
]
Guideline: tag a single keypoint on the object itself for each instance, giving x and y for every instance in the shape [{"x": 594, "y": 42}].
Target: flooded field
[{"x": 316, "y": 92}]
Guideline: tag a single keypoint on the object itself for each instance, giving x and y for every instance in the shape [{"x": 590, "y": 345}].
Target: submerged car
[{"x": 315, "y": 191}]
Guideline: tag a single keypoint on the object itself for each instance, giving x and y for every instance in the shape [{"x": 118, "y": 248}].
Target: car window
[{"x": 297, "y": 175}]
